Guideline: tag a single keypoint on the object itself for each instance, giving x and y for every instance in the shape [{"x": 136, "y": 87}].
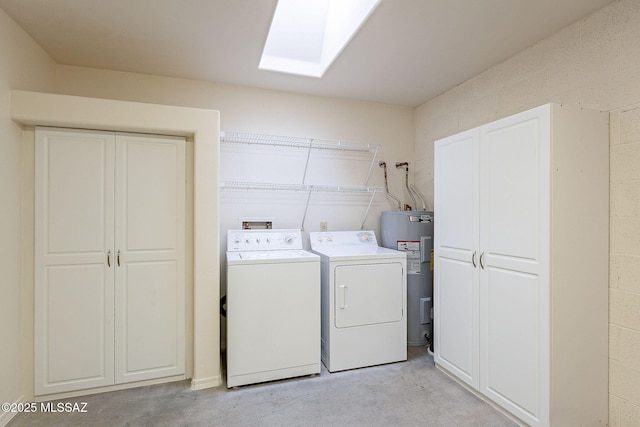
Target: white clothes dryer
[
  {"x": 273, "y": 307},
  {"x": 363, "y": 300}
]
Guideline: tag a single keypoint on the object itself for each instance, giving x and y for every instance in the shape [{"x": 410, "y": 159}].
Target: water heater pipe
[
  {"x": 419, "y": 196},
  {"x": 406, "y": 181},
  {"x": 386, "y": 185}
]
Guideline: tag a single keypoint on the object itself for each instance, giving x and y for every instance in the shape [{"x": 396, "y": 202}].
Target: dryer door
[{"x": 368, "y": 294}]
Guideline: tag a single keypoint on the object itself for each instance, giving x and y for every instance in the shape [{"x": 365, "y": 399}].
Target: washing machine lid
[{"x": 266, "y": 257}]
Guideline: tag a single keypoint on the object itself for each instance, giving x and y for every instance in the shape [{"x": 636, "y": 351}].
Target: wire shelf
[
  {"x": 293, "y": 141},
  {"x": 243, "y": 185},
  {"x": 309, "y": 144}
]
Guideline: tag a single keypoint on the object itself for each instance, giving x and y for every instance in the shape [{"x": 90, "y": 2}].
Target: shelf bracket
[
  {"x": 373, "y": 160},
  {"x": 306, "y": 165},
  {"x": 366, "y": 213},
  {"x": 306, "y": 208}
]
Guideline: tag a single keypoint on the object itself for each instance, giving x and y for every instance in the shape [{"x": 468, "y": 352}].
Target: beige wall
[
  {"x": 22, "y": 64},
  {"x": 594, "y": 64}
]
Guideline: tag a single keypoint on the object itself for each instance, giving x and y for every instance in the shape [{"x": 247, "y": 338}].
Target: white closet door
[
  {"x": 73, "y": 266},
  {"x": 514, "y": 241},
  {"x": 456, "y": 242},
  {"x": 150, "y": 238}
]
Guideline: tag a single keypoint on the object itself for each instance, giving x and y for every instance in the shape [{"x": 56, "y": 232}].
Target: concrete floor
[{"x": 412, "y": 393}]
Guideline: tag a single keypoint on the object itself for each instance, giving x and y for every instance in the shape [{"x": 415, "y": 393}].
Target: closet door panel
[
  {"x": 511, "y": 374},
  {"x": 455, "y": 242},
  {"x": 75, "y": 299},
  {"x": 457, "y": 321},
  {"x": 511, "y": 189},
  {"x": 457, "y": 193},
  {"x": 150, "y": 227},
  {"x": 73, "y": 262},
  {"x": 150, "y": 291},
  {"x": 75, "y": 190},
  {"x": 514, "y": 275},
  {"x": 150, "y": 208}
]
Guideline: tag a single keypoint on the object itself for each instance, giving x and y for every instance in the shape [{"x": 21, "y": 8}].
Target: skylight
[{"x": 306, "y": 36}]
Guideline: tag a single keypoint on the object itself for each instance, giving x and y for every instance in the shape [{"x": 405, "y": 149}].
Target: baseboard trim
[
  {"x": 5, "y": 417},
  {"x": 202, "y": 383}
]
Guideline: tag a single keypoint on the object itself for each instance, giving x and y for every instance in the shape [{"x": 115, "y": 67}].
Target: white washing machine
[
  {"x": 273, "y": 307},
  {"x": 363, "y": 300}
]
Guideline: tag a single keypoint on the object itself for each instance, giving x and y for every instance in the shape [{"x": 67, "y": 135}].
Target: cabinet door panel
[
  {"x": 514, "y": 240},
  {"x": 456, "y": 257},
  {"x": 457, "y": 320},
  {"x": 74, "y": 314},
  {"x": 150, "y": 193},
  {"x": 73, "y": 321},
  {"x": 456, "y": 192},
  {"x": 511, "y": 360},
  {"x": 510, "y": 192},
  {"x": 149, "y": 341},
  {"x": 76, "y": 191},
  {"x": 150, "y": 227}
]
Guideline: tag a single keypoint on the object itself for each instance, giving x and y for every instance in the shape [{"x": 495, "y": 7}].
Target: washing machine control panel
[{"x": 263, "y": 240}]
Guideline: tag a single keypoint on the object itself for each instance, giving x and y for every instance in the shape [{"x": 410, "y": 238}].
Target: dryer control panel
[
  {"x": 342, "y": 238},
  {"x": 263, "y": 240}
]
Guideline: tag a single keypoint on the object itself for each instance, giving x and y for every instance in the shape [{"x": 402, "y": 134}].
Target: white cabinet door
[
  {"x": 540, "y": 172},
  {"x": 150, "y": 224},
  {"x": 514, "y": 242},
  {"x": 456, "y": 242},
  {"x": 73, "y": 253},
  {"x": 109, "y": 259}
]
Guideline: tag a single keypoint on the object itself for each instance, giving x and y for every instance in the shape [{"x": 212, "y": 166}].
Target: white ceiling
[{"x": 407, "y": 53}]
